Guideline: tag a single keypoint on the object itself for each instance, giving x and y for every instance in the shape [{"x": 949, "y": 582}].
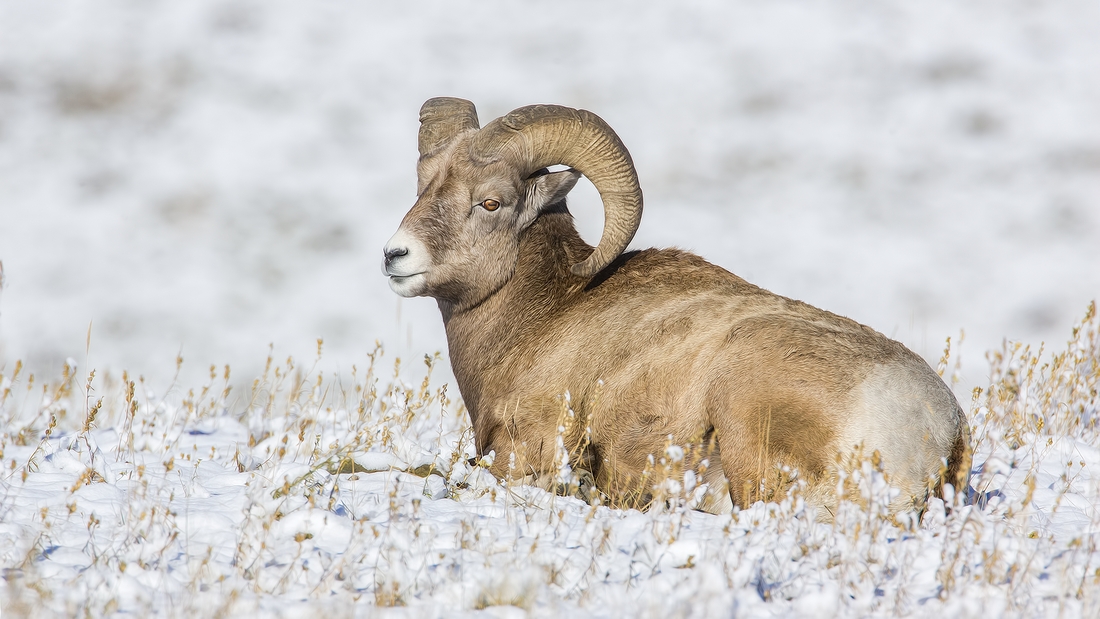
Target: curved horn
[
  {"x": 538, "y": 136},
  {"x": 441, "y": 119}
]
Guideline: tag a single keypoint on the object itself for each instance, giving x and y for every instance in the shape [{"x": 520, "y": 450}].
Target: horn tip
[
  {"x": 445, "y": 105},
  {"x": 437, "y": 101},
  {"x": 585, "y": 269}
]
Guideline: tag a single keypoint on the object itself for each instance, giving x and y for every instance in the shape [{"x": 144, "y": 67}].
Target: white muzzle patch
[{"x": 406, "y": 262}]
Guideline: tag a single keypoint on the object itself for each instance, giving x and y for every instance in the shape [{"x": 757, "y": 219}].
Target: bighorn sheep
[{"x": 653, "y": 346}]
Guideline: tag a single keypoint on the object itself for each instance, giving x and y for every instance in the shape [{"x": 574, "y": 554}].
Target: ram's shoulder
[{"x": 673, "y": 269}]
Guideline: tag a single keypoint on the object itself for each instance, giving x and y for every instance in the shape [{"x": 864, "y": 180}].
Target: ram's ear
[{"x": 546, "y": 189}]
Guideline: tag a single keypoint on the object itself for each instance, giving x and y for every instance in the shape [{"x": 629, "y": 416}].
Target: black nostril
[{"x": 395, "y": 253}]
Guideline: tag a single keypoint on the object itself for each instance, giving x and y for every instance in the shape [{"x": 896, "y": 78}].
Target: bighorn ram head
[
  {"x": 655, "y": 346},
  {"x": 472, "y": 252}
]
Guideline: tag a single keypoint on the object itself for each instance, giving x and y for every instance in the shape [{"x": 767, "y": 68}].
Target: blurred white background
[{"x": 214, "y": 176}]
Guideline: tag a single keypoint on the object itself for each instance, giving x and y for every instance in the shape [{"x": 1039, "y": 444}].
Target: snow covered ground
[
  {"x": 314, "y": 495},
  {"x": 205, "y": 178}
]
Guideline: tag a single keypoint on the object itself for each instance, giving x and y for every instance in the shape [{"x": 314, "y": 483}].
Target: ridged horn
[
  {"x": 538, "y": 136},
  {"x": 441, "y": 119}
]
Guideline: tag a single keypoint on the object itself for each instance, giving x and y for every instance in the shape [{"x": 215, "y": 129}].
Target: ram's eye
[{"x": 490, "y": 204}]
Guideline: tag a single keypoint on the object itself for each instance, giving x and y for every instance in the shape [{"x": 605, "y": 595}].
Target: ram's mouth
[{"x": 398, "y": 278}]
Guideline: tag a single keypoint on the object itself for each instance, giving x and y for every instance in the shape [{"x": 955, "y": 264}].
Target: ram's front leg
[{"x": 539, "y": 463}]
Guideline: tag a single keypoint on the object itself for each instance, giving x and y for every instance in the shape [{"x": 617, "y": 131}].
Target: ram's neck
[{"x": 480, "y": 338}]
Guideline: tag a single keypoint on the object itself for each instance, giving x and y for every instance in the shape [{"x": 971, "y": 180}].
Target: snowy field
[
  {"x": 313, "y": 495},
  {"x": 202, "y": 180}
]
